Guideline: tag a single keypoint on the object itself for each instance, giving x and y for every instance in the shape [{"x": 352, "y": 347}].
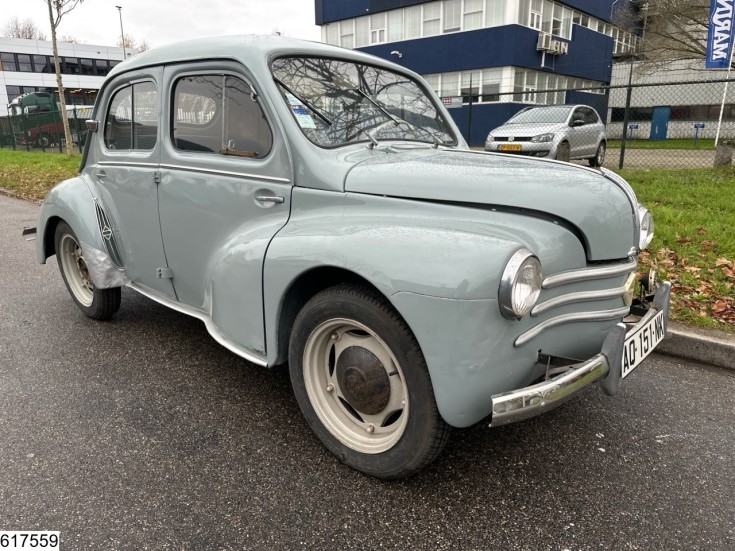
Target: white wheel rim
[
  {"x": 75, "y": 270},
  {"x": 363, "y": 431}
]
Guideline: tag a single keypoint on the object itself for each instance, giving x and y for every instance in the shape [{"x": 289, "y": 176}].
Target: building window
[
  {"x": 472, "y": 18},
  {"x": 470, "y": 86},
  {"x": 449, "y": 85},
  {"x": 452, "y": 16},
  {"x": 547, "y": 13},
  {"x": 7, "y": 62},
  {"x": 556, "y": 20},
  {"x": 495, "y": 13},
  {"x": 412, "y": 22},
  {"x": 24, "y": 63},
  {"x": 491, "y": 79},
  {"x": 433, "y": 81},
  {"x": 377, "y": 28},
  {"x": 534, "y": 16},
  {"x": 362, "y": 31},
  {"x": 347, "y": 34},
  {"x": 432, "y": 19},
  {"x": 395, "y": 25}
]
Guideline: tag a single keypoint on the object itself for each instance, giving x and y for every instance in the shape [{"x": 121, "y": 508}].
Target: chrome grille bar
[{"x": 585, "y": 274}]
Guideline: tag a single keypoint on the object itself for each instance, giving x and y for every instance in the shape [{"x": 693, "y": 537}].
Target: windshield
[
  {"x": 335, "y": 102},
  {"x": 542, "y": 114}
]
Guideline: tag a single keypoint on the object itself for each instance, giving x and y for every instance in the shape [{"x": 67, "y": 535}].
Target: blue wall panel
[{"x": 590, "y": 53}]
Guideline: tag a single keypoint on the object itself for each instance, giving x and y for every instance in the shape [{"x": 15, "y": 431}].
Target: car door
[
  {"x": 124, "y": 169},
  {"x": 225, "y": 191}
]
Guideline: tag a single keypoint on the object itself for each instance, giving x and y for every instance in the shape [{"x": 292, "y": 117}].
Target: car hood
[
  {"x": 597, "y": 209},
  {"x": 528, "y": 129}
]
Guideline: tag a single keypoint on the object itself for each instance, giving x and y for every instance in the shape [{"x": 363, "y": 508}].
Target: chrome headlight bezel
[
  {"x": 543, "y": 138},
  {"x": 520, "y": 284},
  {"x": 645, "y": 223}
]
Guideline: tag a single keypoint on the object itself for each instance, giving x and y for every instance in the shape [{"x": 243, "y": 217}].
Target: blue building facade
[{"x": 489, "y": 58}]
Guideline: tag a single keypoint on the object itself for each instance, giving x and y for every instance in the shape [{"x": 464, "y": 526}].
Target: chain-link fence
[
  {"x": 672, "y": 124},
  {"x": 43, "y": 130}
]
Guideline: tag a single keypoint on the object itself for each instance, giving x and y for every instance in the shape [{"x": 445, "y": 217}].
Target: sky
[{"x": 160, "y": 22}]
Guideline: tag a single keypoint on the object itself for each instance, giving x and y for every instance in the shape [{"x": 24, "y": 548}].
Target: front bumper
[
  {"x": 533, "y": 149},
  {"x": 606, "y": 367}
]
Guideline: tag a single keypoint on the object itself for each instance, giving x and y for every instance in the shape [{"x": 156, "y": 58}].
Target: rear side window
[
  {"x": 219, "y": 114},
  {"x": 132, "y": 118}
]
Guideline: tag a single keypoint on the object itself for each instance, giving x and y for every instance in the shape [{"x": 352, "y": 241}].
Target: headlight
[
  {"x": 490, "y": 138},
  {"x": 520, "y": 284},
  {"x": 543, "y": 138},
  {"x": 646, "y": 222}
]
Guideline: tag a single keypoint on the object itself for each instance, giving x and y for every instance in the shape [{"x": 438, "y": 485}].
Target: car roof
[{"x": 248, "y": 49}]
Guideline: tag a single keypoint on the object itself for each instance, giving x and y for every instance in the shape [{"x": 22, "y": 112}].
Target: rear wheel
[
  {"x": 100, "y": 304},
  {"x": 361, "y": 381}
]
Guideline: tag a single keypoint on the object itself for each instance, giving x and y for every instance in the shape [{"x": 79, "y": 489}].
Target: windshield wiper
[
  {"x": 305, "y": 101},
  {"x": 383, "y": 110}
]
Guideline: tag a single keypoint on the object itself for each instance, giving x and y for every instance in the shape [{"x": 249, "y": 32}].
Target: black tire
[
  {"x": 99, "y": 304},
  {"x": 355, "y": 364},
  {"x": 43, "y": 141},
  {"x": 563, "y": 151},
  {"x": 599, "y": 157}
]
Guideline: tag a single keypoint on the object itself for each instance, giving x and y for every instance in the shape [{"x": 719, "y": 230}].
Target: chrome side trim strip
[
  {"x": 585, "y": 274},
  {"x": 208, "y": 322},
  {"x": 199, "y": 170},
  {"x": 577, "y": 297},
  {"x": 617, "y": 313},
  {"x": 130, "y": 164},
  {"x": 188, "y": 168}
]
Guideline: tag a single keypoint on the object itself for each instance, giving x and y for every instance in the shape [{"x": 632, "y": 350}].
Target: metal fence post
[{"x": 626, "y": 116}]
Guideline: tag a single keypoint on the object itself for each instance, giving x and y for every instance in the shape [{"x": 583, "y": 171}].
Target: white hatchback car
[{"x": 561, "y": 132}]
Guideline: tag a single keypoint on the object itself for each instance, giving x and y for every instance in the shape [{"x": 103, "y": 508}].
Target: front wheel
[
  {"x": 599, "y": 157},
  {"x": 361, "y": 382},
  {"x": 100, "y": 304},
  {"x": 563, "y": 152}
]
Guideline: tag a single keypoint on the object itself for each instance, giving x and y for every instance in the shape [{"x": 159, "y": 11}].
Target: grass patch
[
  {"x": 694, "y": 242},
  {"x": 30, "y": 174},
  {"x": 685, "y": 143}
]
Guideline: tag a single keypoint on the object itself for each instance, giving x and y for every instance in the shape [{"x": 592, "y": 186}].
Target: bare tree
[
  {"x": 70, "y": 39},
  {"x": 143, "y": 46},
  {"x": 672, "y": 29},
  {"x": 57, "y": 9},
  {"x": 128, "y": 42},
  {"x": 26, "y": 28}
]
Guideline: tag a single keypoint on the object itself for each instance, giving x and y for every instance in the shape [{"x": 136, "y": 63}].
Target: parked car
[
  {"x": 561, "y": 132},
  {"x": 318, "y": 206}
]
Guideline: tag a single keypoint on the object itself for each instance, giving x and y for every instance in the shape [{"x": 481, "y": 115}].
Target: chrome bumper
[{"x": 524, "y": 403}]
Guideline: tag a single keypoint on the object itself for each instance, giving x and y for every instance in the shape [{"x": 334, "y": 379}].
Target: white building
[{"x": 28, "y": 66}]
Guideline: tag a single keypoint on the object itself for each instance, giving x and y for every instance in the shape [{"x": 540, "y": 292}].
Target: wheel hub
[{"x": 363, "y": 380}]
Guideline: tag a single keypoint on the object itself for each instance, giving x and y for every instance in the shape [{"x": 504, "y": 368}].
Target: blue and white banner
[{"x": 720, "y": 34}]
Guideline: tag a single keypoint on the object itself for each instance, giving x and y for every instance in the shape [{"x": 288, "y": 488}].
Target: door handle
[
  {"x": 101, "y": 174},
  {"x": 269, "y": 199}
]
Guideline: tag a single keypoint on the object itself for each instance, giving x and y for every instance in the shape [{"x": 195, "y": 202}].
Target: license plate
[
  {"x": 641, "y": 341},
  {"x": 509, "y": 147}
]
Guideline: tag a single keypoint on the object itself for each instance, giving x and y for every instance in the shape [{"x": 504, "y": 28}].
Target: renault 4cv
[{"x": 318, "y": 207}]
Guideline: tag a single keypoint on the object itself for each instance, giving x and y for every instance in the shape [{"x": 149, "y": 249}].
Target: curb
[{"x": 707, "y": 346}]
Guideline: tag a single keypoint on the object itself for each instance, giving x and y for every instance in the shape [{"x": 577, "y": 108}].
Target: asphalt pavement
[{"x": 144, "y": 433}]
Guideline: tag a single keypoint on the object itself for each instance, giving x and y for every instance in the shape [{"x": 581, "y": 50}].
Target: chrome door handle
[
  {"x": 269, "y": 199},
  {"x": 101, "y": 174}
]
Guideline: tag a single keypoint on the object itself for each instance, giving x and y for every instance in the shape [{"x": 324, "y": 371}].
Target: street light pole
[{"x": 122, "y": 34}]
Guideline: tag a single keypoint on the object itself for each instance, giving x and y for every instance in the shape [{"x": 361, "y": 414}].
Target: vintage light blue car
[{"x": 317, "y": 206}]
